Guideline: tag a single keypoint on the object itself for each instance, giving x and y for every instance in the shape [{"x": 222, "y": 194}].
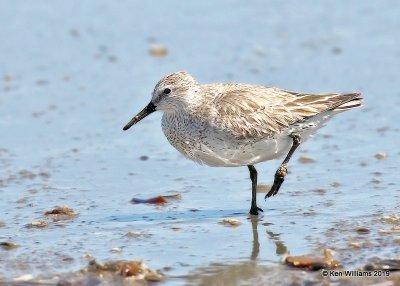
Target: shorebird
[{"x": 232, "y": 125}]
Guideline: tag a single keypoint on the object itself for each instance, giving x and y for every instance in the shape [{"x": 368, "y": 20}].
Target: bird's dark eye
[{"x": 167, "y": 91}]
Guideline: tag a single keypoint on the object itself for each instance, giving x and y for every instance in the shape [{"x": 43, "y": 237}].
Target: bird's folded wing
[{"x": 248, "y": 111}]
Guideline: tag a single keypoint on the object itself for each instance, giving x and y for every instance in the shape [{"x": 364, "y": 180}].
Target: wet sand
[{"x": 71, "y": 78}]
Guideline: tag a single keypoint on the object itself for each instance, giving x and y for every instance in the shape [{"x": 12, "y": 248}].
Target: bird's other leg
[
  {"x": 253, "y": 176},
  {"x": 282, "y": 170}
]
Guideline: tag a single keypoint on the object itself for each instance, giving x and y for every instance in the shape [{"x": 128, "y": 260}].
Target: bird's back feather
[{"x": 251, "y": 111}]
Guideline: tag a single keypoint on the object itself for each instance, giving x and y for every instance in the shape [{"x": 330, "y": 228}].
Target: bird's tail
[{"x": 348, "y": 101}]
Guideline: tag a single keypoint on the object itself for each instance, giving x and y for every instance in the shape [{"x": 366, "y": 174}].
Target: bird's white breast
[{"x": 203, "y": 143}]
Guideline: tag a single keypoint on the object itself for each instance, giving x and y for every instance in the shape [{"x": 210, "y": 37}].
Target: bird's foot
[
  {"x": 255, "y": 210},
  {"x": 279, "y": 178},
  {"x": 274, "y": 189}
]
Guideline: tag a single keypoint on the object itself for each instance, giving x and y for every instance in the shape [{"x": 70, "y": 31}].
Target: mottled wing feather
[{"x": 258, "y": 112}]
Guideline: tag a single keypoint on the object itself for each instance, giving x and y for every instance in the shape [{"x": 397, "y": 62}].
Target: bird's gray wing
[{"x": 249, "y": 111}]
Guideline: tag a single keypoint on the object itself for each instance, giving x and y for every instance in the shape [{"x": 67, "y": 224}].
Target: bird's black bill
[{"x": 150, "y": 108}]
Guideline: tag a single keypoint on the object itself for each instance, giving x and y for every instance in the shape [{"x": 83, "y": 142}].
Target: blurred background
[{"x": 72, "y": 73}]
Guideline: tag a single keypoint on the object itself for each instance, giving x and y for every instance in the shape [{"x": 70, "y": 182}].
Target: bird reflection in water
[{"x": 247, "y": 271}]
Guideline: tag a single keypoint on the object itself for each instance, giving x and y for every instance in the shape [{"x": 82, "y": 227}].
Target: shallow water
[{"x": 72, "y": 74}]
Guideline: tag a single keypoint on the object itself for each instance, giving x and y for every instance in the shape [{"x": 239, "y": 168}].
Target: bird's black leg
[
  {"x": 253, "y": 176},
  {"x": 282, "y": 170}
]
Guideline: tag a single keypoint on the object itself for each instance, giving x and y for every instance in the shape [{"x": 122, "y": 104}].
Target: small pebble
[
  {"x": 375, "y": 181},
  {"x": 133, "y": 234},
  {"x": 230, "y": 222},
  {"x": 7, "y": 245},
  {"x": 320, "y": 191},
  {"x": 355, "y": 244},
  {"x": 61, "y": 213},
  {"x": 380, "y": 155},
  {"x": 38, "y": 224},
  {"x": 158, "y": 51},
  {"x": 44, "y": 175},
  {"x": 306, "y": 160},
  {"x": 335, "y": 184},
  {"x": 116, "y": 250},
  {"x": 362, "y": 230},
  {"x": 23, "y": 278},
  {"x": 87, "y": 256}
]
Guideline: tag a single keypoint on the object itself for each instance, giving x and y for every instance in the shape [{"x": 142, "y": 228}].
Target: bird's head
[{"x": 172, "y": 93}]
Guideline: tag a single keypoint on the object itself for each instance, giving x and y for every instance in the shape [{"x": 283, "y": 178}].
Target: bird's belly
[
  {"x": 218, "y": 149},
  {"x": 233, "y": 153},
  {"x": 212, "y": 147}
]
